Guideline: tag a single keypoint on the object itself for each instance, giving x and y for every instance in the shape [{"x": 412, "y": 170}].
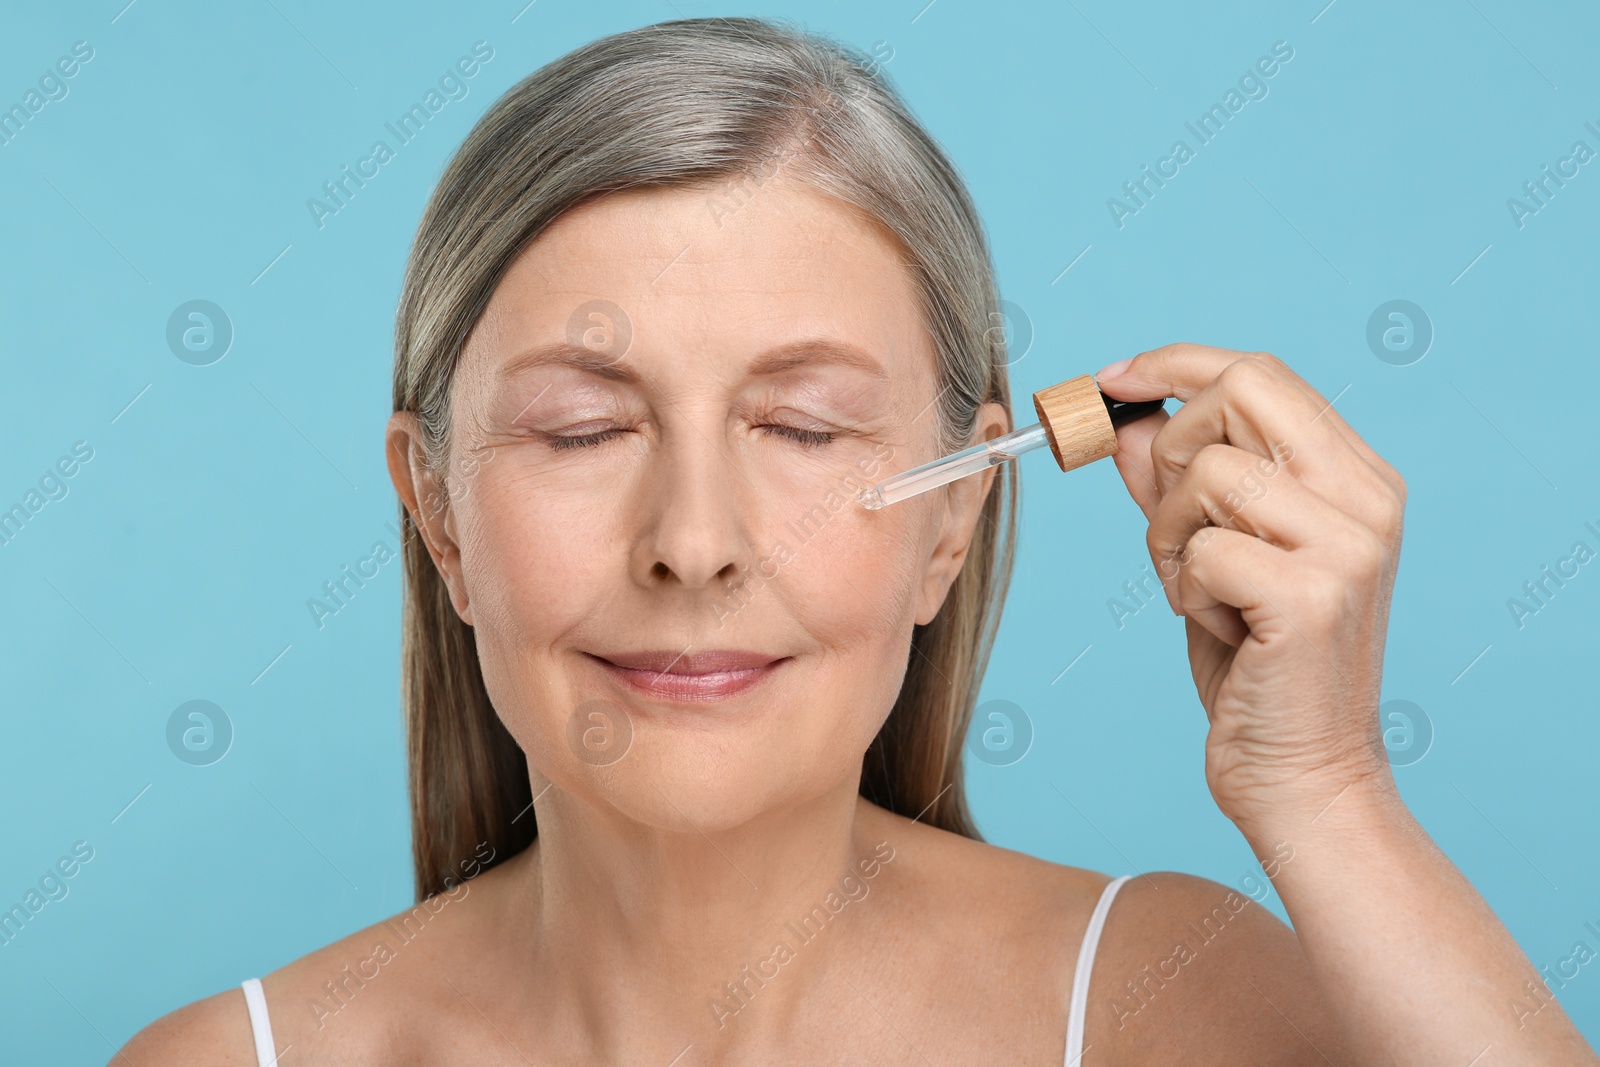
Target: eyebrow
[
  {"x": 564, "y": 354},
  {"x": 816, "y": 350},
  {"x": 811, "y": 351}
]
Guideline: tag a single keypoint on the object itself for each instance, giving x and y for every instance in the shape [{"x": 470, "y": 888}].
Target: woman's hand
[
  {"x": 1276, "y": 532},
  {"x": 1286, "y": 598}
]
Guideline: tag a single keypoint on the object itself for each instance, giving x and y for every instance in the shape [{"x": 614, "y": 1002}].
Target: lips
[{"x": 690, "y": 677}]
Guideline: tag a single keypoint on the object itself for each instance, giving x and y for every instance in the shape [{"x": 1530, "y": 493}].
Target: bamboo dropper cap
[{"x": 1080, "y": 422}]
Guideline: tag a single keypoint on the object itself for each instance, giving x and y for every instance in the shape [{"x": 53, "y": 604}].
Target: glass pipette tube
[{"x": 979, "y": 457}]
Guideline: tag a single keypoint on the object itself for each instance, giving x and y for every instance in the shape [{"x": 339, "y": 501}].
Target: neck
[{"x": 621, "y": 918}]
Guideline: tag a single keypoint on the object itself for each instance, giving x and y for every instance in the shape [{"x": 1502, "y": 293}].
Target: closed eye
[
  {"x": 583, "y": 440},
  {"x": 804, "y": 438}
]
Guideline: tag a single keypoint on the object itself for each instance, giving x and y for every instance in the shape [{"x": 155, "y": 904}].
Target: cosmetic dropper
[{"x": 1076, "y": 420}]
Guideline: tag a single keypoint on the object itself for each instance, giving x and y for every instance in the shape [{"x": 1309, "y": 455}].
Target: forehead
[{"x": 723, "y": 272}]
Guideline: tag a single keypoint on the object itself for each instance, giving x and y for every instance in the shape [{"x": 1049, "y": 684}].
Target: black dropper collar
[{"x": 1124, "y": 411}]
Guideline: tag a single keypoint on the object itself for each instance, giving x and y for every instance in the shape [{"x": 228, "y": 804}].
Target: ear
[
  {"x": 963, "y": 504},
  {"x": 428, "y": 502}
]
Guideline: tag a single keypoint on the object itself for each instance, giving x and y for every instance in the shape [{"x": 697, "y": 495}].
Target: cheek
[
  {"x": 852, "y": 586},
  {"x": 533, "y": 560},
  {"x": 853, "y": 574},
  {"x": 819, "y": 560},
  {"x": 537, "y": 562}
]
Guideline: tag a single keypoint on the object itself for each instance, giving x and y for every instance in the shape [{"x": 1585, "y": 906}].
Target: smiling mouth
[{"x": 690, "y": 677}]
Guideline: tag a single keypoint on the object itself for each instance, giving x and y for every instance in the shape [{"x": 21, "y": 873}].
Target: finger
[
  {"x": 1199, "y": 604},
  {"x": 1259, "y": 405},
  {"x": 1183, "y": 370},
  {"x": 1228, "y": 487},
  {"x": 1134, "y": 462},
  {"x": 1179, "y": 370},
  {"x": 1216, "y": 589},
  {"x": 1325, "y": 410},
  {"x": 1253, "y": 406},
  {"x": 1271, "y": 588},
  {"x": 1382, "y": 467}
]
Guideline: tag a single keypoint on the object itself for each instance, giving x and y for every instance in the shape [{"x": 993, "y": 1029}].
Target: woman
[{"x": 677, "y": 294}]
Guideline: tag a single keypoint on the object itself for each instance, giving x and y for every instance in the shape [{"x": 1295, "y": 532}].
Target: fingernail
[{"x": 1111, "y": 370}]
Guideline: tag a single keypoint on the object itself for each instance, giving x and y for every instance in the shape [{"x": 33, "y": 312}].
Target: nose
[{"x": 697, "y": 530}]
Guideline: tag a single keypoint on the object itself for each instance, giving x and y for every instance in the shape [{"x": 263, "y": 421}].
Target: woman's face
[{"x": 659, "y": 425}]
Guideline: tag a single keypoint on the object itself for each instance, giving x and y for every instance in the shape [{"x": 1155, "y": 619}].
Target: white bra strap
[
  {"x": 260, "y": 1026},
  {"x": 1080, "y": 977}
]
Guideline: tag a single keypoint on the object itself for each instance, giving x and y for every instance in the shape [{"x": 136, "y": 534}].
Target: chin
[{"x": 688, "y": 780}]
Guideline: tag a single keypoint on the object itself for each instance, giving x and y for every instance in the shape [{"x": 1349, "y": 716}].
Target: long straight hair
[{"x": 678, "y": 103}]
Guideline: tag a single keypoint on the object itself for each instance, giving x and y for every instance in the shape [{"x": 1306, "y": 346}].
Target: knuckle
[
  {"x": 1390, "y": 505},
  {"x": 1247, "y": 374},
  {"x": 1188, "y": 594},
  {"x": 1172, "y": 553},
  {"x": 1177, "y": 352},
  {"x": 1190, "y": 559},
  {"x": 1214, "y": 461},
  {"x": 1396, "y": 506},
  {"x": 1369, "y": 554},
  {"x": 1320, "y": 592},
  {"x": 1397, "y": 486},
  {"x": 1161, "y": 450},
  {"x": 1153, "y": 545},
  {"x": 1203, "y": 537},
  {"x": 1163, "y": 552}
]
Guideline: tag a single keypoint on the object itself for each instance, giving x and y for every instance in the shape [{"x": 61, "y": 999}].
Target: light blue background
[{"x": 179, "y": 565}]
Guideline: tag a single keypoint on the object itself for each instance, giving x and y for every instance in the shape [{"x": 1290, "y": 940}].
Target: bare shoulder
[
  {"x": 1187, "y": 970},
  {"x": 348, "y": 1002},
  {"x": 1191, "y": 970},
  {"x": 212, "y": 1031}
]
